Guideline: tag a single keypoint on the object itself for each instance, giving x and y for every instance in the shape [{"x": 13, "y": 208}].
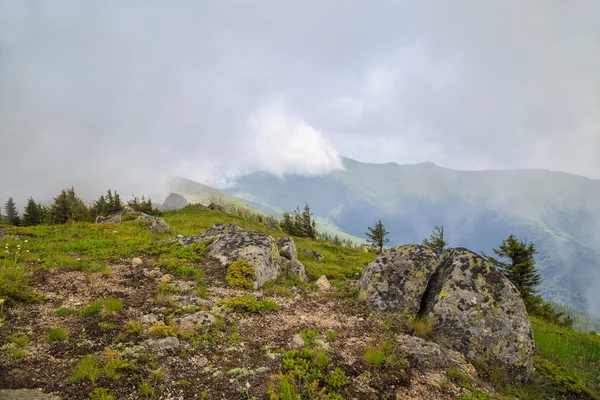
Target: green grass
[
  {"x": 249, "y": 304},
  {"x": 108, "y": 306},
  {"x": 57, "y": 334},
  {"x": 88, "y": 367},
  {"x": 566, "y": 364}
]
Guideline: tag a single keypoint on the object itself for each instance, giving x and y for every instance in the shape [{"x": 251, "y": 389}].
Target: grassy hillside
[{"x": 70, "y": 302}]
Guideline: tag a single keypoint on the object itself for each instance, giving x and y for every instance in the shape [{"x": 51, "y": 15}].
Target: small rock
[
  {"x": 297, "y": 342},
  {"x": 166, "y": 278},
  {"x": 287, "y": 248},
  {"x": 136, "y": 262},
  {"x": 150, "y": 319},
  {"x": 152, "y": 273},
  {"x": 166, "y": 343},
  {"x": 323, "y": 283},
  {"x": 201, "y": 318},
  {"x": 25, "y": 394}
]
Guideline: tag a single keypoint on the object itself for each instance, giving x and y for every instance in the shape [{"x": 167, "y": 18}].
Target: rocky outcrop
[
  {"x": 175, "y": 201},
  {"x": 152, "y": 223},
  {"x": 396, "y": 280},
  {"x": 287, "y": 248},
  {"x": 294, "y": 268},
  {"x": 475, "y": 309},
  {"x": 313, "y": 254},
  {"x": 229, "y": 243},
  {"x": 478, "y": 312}
]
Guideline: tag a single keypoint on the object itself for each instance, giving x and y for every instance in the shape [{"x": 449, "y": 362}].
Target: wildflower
[
  {"x": 26, "y": 241},
  {"x": 27, "y": 251}
]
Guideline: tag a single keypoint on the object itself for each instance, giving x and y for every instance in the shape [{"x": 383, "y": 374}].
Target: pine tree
[
  {"x": 377, "y": 236},
  {"x": 520, "y": 267},
  {"x": 113, "y": 203},
  {"x": 12, "y": 215},
  {"x": 436, "y": 241},
  {"x": 98, "y": 207},
  {"x": 68, "y": 207},
  {"x": 34, "y": 213}
]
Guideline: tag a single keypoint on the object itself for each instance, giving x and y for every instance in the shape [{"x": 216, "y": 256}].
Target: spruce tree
[
  {"x": 12, "y": 215},
  {"x": 68, "y": 206},
  {"x": 436, "y": 241},
  {"x": 377, "y": 236},
  {"x": 519, "y": 267},
  {"x": 98, "y": 208},
  {"x": 33, "y": 214}
]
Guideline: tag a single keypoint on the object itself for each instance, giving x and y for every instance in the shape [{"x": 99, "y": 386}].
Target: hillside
[
  {"x": 83, "y": 318},
  {"x": 478, "y": 209}
]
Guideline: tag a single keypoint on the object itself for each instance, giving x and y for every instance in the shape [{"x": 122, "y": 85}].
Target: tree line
[{"x": 68, "y": 206}]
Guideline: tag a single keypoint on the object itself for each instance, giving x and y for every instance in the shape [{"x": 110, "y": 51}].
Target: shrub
[
  {"x": 240, "y": 274},
  {"x": 100, "y": 394},
  {"x": 92, "y": 309},
  {"x": 57, "y": 334},
  {"x": 160, "y": 331},
  {"x": 88, "y": 367},
  {"x": 165, "y": 289},
  {"x": 249, "y": 304}
]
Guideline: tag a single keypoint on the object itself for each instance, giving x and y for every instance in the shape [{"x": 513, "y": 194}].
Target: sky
[{"x": 129, "y": 94}]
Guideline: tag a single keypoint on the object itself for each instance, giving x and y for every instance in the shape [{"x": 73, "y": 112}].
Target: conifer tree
[
  {"x": 520, "y": 266},
  {"x": 68, "y": 206},
  {"x": 98, "y": 207},
  {"x": 34, "y": 213},
  {"x": 377, "y": 236},
  {"x": 436, "y": 241},
  {"x": 12, "y": 215}
]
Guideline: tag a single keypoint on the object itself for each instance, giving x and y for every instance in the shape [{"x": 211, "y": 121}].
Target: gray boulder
[
  {"x": 478, "y": 312},
  {"x": 311, "y": 253},
  {"x": 294, "y": 268},
  {"x": 151, "y": 222},
  {"x": 229, "y": 243},
  {"x": 287, "y": 248},
  {"x": 215, "y": 207},
  {"x": 396, "y": 280},
  {"x": 175, "y": 201}
]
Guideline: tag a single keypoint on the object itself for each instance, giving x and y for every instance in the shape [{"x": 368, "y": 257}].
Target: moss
[{"x": 240, "y": 274}]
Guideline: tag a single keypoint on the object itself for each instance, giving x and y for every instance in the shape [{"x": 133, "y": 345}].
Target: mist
[{"x": 127, "y": 95}]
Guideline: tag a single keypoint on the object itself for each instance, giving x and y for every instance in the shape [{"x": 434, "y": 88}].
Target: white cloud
[{"x": 284, "y": 143}]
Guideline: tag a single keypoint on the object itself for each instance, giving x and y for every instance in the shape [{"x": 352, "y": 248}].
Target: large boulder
[
  {"x": 229, "y": 243},
  {"x": 478, "y": 312},
  {"x": 396, "y": 280},
  {"x": 175, "y": 201},
  {"x": 151, "y": 222}
]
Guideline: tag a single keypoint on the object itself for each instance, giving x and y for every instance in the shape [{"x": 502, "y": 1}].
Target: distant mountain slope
[
  {"x": 560, "y": 212},
  {"x": 185, "y": 191}
]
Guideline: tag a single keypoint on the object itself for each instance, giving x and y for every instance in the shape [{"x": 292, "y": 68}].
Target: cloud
[{"x": 125, "y": 95}]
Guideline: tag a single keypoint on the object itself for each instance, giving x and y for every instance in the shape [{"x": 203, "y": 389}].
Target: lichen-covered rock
[
  {"x": 396, "y": 280},
  {"x": 198, "y": 319},
  {"x": 294, "y": 268},
  {"x": 151, "y": 223},
  {"x": 287, "y": 248},
  {"x": 229, "y": 243},
  {"x": 478, "y": 312}
]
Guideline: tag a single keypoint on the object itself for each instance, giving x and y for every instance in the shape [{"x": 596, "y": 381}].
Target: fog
[{"x": 129, "y": 94}]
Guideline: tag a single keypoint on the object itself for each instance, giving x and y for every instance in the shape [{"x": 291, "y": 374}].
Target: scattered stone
[
  {"x": 152, "y": 273},
  {"x": 166, "y": 278},
  {"x": 136, "y": 262},
  {"x": 151, "y": 223},
  {"x": 167, "y": 343},
  {"x": 323, "y": 283},
  {"x": 294, "y": 268},
  {"x": 313, "y": 254},
  {"x": 194, "y": 320},
  {"x": 297, "y": 342},
  {"x": 199, "y": 361},
  {"x": 215, "y": 207},
  {"x": 287, "y": 248},
  {"x": 182, "y": 301},
  {"x": 25, "y": 394},
  {"x": 396, "y": 280},
  {"x": 478, "y": 312},
  {"x": 151, "y": 319}
]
